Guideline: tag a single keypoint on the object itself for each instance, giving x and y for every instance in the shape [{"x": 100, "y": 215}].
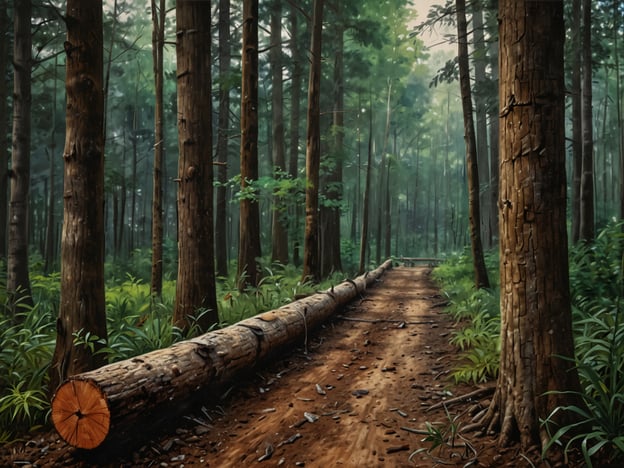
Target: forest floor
[{"x": 352, "y": 396}]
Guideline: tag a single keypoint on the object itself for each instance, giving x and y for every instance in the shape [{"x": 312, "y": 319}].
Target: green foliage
[
  {"x": 27, "y": 342},
  {"x": 444, "y": 436},
  {"x": 599, "y": 425},
  {"x": 597, "y": 288},
  {"x": 478, "y": 312}
]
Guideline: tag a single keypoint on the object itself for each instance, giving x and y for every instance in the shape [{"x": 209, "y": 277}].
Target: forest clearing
[{"x": 358, "y": 394}]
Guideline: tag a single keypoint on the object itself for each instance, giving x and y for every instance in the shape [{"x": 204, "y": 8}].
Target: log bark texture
[{"x": 88, "y": 407}]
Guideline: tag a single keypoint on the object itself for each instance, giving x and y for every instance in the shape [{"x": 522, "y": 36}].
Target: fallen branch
[
  {"x": 478, "y": 393},
  {"x": 89, "y": 406},
  {"x": 353, "y": 319}
]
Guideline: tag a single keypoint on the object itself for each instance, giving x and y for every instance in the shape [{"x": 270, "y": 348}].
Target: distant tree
[
  {"x": 249, "y": 240},
  {"x": 577, "y": 121},
  {"x": 158, "y": 46},
  {"x": 331, "y": 210},
  {"x": 82, "y": 309},
  {"x": 474, "y": 210},
  {"x": 4, "y": 125},
  {"x": 537, "y": 371},
  {"x": 311, "y": 258},
  {"x": 195, "y": 285},
  {"x": 221, "y": 244},
  {"x": 18, "y": 281},
  {"x": 364, "y": 248},
  {"x": 295, "y": 97},
  {"x": 279, "y": 226},
  {"x": 586, "y": 227}
]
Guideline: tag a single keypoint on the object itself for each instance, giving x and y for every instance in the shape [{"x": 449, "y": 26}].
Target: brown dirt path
[{"x": 344, "y": 398}]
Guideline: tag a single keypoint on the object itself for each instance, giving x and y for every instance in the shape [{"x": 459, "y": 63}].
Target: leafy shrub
[
  {"x": 597, "y": 288},
  {"x": 478, "y": 312}
]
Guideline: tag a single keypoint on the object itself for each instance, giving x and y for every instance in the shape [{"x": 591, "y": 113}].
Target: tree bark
[
  {"x": 49, "y": 251},
  {"x": 295, "y": 98},
  {"x": 311, "y": 258},
  {"x": 249, "y": 247},
  {"x": 82, "y": 308},
  {"x": 18, "y": 280},
  {"x": 221, "y": 224},
  {"x": 89, "y": 407},
  {"x": 279, "y": 225},
  {"x": 536, "y": 324},
  {"x": 586, "y": 228},
  {"x": 481, "y": 131},
  {"x": 195, "y": 286},
  {"x": 158, "y": 44},
  {"x": 577, "y": 120},
  {"x": 474, "y": 210},
  {"x": 364, "y": 247},
  {"x": 4, "y": 125},
  {"x": 331, "y": 254}
]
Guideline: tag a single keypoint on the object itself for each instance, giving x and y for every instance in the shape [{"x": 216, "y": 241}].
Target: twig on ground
[{"x": 478, "y": 393}]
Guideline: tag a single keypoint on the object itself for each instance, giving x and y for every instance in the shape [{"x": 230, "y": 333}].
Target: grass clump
[{"x": 477, "y": 312}]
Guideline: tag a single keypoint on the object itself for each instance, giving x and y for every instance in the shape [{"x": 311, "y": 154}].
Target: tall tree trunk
[
  {"x": 493, "y": 115},
  {"x": 221, "y": 224},
  {"x": 295, "y": 98},
  {"x": 364, "y": 248},
  {"x": 536, "y": 322},
  {"x": 311, "y": 257},
  {"x": 474, "y": 210},
  {"x": 50, "y": 232},
  {"x": 577, "y": 122},
  {"x": 481, "y": 131},
  {"x": 249, "y": 248},
  {"x": 4, "y": 126},
  {"x": 586, "y": 228},
  {"x": 134, "y": 138},
  {"x": 334, "y": 190},
  {"x": 18, "y": 281},
  {"x": 158, "y": 44},
  {"x": 279, "y": 226},
  {"x": 195, "y": 286},
  {"x": 618, "y": 103},
  {"x": 82, "y": 307}
]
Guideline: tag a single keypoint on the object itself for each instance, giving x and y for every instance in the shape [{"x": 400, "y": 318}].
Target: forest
[{"x": 174, "y": 168}]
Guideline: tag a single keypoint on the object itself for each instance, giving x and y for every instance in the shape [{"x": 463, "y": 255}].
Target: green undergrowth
[
  {"x": 478, "y": 313},
  {"x": 137, "y": 323}
]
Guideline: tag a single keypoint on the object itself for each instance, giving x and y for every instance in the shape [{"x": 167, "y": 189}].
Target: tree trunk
[
  {"x": 279, "y": 225},
  {"x": 90, "y": 406},
  {"x": 18, "y": 281},
  {"x": 577, "y": 122},
  {"x": 311, "y": 257},
  {"x": 50, "y": 237},
  {"x": 4, "y": 125},
  {"x": 82, "y": 307},
  {"x": 364, "y": 248},
  {"x": 249, "y": 248},
  {"x": 586, "y": 228},
  {"x": 331, "y": 254},
  {"x": 536, "y": 325},
  {"x": 195, "y": 286},
  {"x": 158, "y": 43},
  {"x": 221, "y": 224},
  {"x": 474, "y": 210},
  {"x": 481, "y": 131},
  {"x": 295, "y": 98}
]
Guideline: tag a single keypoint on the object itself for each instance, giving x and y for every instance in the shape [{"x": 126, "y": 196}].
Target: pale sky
[{"x": 431, "y": 38}]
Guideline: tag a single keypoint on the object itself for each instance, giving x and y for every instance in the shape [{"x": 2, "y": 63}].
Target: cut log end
[{"x": 80, "y": 414}]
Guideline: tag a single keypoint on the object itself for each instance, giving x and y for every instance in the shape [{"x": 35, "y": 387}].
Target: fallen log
[{"x": 88, "y": 407}]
